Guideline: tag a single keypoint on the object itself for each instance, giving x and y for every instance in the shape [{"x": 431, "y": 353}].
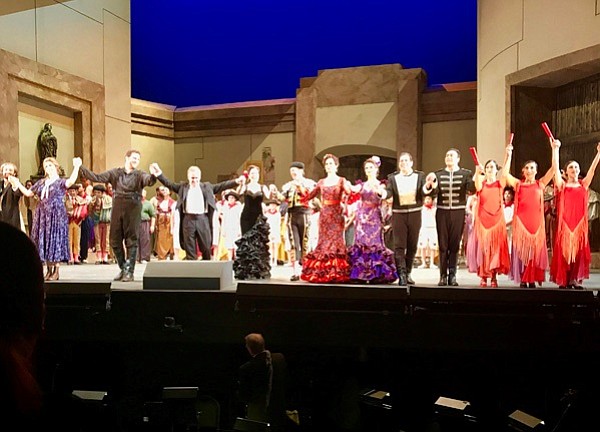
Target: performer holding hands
[
  {"x": 571, "y": 253},
  {"x": 50, "y": 231}
]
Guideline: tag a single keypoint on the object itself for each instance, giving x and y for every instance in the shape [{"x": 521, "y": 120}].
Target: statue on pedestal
[{"x": 47, "y": 146}]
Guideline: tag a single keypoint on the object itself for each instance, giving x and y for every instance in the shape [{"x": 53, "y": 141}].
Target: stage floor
[{"x": 90, "y": 272}]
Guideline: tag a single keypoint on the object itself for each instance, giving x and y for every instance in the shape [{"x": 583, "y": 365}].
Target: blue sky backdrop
[{"x": 201, "y": 52}]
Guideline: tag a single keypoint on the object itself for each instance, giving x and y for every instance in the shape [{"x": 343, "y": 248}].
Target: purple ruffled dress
[{"x": 370, "y": 260}]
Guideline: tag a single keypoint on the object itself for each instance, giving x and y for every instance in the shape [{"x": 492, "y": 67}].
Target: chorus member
[
  {"x": 147, "y": 228},
  {"x": 571, "y": 256},
  {"x": 100, "y": 209},
  {"x": 253, "y": 194},
  {"x": 489, "y": 229},
  {"x": 50, "y": 231},
  {"x": 529, "y": 253},
  {"x": 196, "y": 205},
  {"x": 370, "y": 260},
  {"x": 273, "y": 216},
  {"x": 127, "y": 183},
  {"x": 428, "y": 243},
  {"x": 329, "y": 261},
  {"x": 452, "y": 184},
  {"x": 231, "y": 212},
  {"x": 164, "y": 214},
  {"x": 407, "y": 187},
  {"x": 87, "y": 225},
  {"x": 509, "y": 211},
  {"x": 298, "y": 212},
  {"x": 30, "y": 205},
  {"x": 77, "y": 212}
]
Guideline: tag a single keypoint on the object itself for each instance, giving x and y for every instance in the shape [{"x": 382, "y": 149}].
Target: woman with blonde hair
[{"x": 50, "y": 223}]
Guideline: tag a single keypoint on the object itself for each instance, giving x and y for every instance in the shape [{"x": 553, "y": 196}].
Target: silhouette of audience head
[
  {"x": 22, "y": 311},
  {"x": 255, "y": 343}
]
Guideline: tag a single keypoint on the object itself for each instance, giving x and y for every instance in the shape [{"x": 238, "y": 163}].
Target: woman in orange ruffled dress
[
  {"x": 529, "y": 253},
  {"x": 489, "y": 232},
  {"x": 571, "y": 252},
  {"x": 329, "y": 261}
]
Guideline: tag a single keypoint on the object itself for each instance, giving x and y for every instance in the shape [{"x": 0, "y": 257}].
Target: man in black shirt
[{"x": 127, "y": 183}]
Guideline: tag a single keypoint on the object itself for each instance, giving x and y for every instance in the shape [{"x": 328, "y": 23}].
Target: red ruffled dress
[
  {"x": 329, "y": 261},
  {"x": 571, "y": 257},
  {"x": 490, "y": 235},
  {"x": 529, "y": 253}
]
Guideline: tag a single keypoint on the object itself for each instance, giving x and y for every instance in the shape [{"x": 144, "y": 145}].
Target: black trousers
[
  {"x": 450, "y": 224},
  {"x": 196, "y": 227},
  {"x": 125, "y": 225},
  {"x": 297, "y": 226},
  {"x": 406, "y": 227}
]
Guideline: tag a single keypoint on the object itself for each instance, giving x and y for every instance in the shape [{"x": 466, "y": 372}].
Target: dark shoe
[
  {"x": 452, "y": 278},
  {"x": 127, "y": 277},
  {"x": 443, "y": 281},
  {"x": 402, "y": 280},
  {"x": 409, "y": 279},
  {"x": 295, "y": 278},
  {"x": 522, "y": 285},
  {"x": 531, "y": 285},
  {"x": 119, "y": 276}
]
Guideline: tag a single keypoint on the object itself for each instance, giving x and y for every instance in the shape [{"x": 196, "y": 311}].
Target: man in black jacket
[
  {"x": 196, "y": 205},
  {"x": 407, "y": 187},
  {"x": 452, "y": 184}
]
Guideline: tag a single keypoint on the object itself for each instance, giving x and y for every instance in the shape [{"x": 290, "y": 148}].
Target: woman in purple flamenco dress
[
  {"x": 370, "y": 260},
  {"x": 50, "y": 222}
]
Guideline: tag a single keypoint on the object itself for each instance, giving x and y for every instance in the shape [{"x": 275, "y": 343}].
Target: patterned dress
[
  {"x": 571, "y": 257},
  {"x": 529, "y": 252},
  {"x": 329, "y": 261},
  {"x": 488, "y": 246},
  {"x": 50, "y": 231},
  {"x": 370, "y": 260}
]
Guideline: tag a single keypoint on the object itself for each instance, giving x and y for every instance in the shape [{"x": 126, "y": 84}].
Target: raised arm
[
  {"x": 558, "y": 180},
  {"x": 506, "y": 175},
  {"x": 168, "y": 183},
  {"x": 590, "y": 174},
  {"x": 75, "y": 174},
  {"x": 103, "y": 177},
  {"x": 478, "y": 178},
  {"x": 16, "y": 184}
]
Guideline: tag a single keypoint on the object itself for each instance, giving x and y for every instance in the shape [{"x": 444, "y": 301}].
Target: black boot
[
  {"x": 120, "y": 257},
  {"x": 452, "y": 277},
  {"x": 129, "y": 265},
  {"x": 443, "y": 277},
  {"x": 402, "y": 281},
  {"x": 409, "y": 279}
]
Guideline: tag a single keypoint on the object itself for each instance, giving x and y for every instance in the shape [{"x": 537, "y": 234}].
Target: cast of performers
[
  {"x": 253, "y": 193},
  {"x": 50, "y": 223},
  {"x": 196, "y": 206},
  {"x": 529, "y": 252},
  {"x": 452, "y": 184},
  {"x": 10, "y": 196},
  {"x": 329, "y": 261},
  {"x": 370, "y": 260},
  {"x": 488, "y": 245},
  {"x": 571, "y": 253},
  {"x": 165, "y": 209},
  {"x": 407, "y": 187},
  {"x": 127, "y": 183},
  {"x": 298, "y": 214}
]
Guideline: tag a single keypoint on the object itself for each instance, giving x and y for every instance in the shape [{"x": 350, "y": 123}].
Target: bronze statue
[{"x": 47, "y": 146}]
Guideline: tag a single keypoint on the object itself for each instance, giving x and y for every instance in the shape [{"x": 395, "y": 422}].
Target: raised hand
[
  {"x": 430, "y": 180},
  {"x": 77, "y": 162}
]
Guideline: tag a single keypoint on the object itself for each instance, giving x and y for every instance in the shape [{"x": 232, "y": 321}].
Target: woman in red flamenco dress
[
  {"x": 529, "y": 252},
  {"x": 571, "y": 251},
  {"x": 490, "y": 238},
  {"x": 329, "y": 261}
]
